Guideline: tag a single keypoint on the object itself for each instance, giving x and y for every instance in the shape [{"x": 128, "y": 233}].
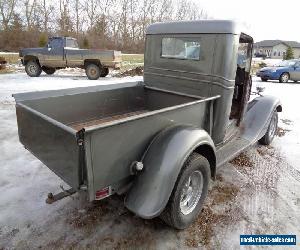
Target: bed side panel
[{"x": 114, "y": 148}]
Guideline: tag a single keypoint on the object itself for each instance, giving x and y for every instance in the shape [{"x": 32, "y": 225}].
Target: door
[
  {"x": 243, "y": 79},
  {"x": 54, "y": 54},
  {"x": 295, "y": 72},
  {"x": 73, "y": 54}
]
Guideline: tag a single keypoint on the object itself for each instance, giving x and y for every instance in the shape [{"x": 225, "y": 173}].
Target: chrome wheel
[
  {"x": 273, "y": 127},
  {"x": 32, "y": 69},
  {"x": 285, "y": 78},
  {"x": 191, "y": 192}
]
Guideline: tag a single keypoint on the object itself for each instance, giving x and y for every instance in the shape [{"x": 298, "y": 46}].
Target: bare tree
[
  {"x": 91, "y": 11},
  {"x": 78, "y": 9},
  {"x": 46, "y": 9},
  {"x": 7, "y": 9},
  {"x": 114, "y": 24},
  {"x": 30, "y": 7},
  {"x": 64, "y": 20}
]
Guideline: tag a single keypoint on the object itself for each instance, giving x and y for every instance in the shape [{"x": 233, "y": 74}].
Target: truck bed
[
  {"x": 116, "y": 124},
  {"x": 89, "y": 109},
  {"x": 78, "y": 125}
]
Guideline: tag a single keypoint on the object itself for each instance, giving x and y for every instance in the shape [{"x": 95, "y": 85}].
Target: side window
[
  {"x": 56, "y": 43},
  {"x": 180, "y": 48},
  {"x": 244, "y": 57},
  {"x": 71, "y": 43}
]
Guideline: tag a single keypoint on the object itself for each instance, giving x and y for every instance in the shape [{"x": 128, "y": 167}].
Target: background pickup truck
[{"x": 62, "y": 52}]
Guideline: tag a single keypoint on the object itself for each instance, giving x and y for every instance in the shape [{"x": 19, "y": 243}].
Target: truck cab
[
  {"x": 54, "y": 55},
  {"x": 205, "y": 59}
]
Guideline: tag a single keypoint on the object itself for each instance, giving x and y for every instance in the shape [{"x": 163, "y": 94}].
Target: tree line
[{"x": 105, "y": 24}]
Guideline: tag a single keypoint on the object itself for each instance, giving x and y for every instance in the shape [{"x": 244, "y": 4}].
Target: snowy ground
[{"x": 257, "y": 193}]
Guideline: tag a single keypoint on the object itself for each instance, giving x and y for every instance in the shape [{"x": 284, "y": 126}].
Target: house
[{"x": 276, "y": 48}]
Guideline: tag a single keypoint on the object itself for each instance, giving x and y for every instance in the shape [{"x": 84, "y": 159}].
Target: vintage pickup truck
[
  {"x": 159, "y": 141},
  {"x": 62, "y": 52}
]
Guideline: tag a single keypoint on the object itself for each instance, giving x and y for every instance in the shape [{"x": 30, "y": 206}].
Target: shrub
[
  {"x": 289, "y": 54},
  {"x": 262, "y": 65},
  {"x": 43, "y": 40},
  {"x": 85, "y": 44}
]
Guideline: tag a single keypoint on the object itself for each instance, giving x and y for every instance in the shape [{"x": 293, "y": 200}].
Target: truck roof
[
  {"x": 197, "y": 26},
  {"x": 58, "y": 37}
]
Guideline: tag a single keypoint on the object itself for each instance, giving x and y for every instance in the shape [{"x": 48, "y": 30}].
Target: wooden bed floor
[{"x": 97, "y": 121}]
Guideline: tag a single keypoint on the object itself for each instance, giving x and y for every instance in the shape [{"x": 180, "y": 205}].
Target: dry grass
[
  {"x": 10, "y": 57},
  {"x": 136, "y": 71},
  {"x": 223, "y": 194},
  {"x": 281, "y": 131},
  {"x": 202, "y": 230},
  {"x": 130, "y": 61},
  {"x": 242, "y": 160},
  {"x": 133, "y": 58},
  {"x": 6, "y": 71},
  {"x": 91, "y": 216}
]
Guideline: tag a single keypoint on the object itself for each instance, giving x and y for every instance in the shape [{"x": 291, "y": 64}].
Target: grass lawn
[
  {"x": 10, "y": 57},
  {"x": 130, "y": 61}
]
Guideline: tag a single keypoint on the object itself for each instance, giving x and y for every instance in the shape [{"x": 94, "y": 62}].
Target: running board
[{"x": 230, "y": 150}]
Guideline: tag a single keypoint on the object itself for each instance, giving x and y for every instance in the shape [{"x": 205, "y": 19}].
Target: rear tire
[
  {"x": 264, "y": 79},
  {"x": 284, "y": 78},
  {"x": 104, "y": 72},
  {"x": 189, "y": 193},
  {"x": 49, "y": 71},
  {"x": 33, "y": 69},
  {"x": 271, "y": 131},
  {"x": 93, "y": 71}
]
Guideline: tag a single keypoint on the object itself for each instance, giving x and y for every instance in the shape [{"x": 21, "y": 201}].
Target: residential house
[{"x": 276, "y": 48}]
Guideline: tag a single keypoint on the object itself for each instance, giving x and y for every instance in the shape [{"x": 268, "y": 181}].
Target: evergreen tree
[
  {"x": 289, "y": 54},
  {"x": 43, "y": 40},
  {"x": 85, "y": 43}
]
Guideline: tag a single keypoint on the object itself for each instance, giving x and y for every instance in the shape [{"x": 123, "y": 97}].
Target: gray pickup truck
[
  {"x": 62, "y": 52},
  {"x": 161, "y": 141}
]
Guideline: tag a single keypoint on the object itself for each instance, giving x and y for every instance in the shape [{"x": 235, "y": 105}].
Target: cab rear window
[
  {"x": 180, "y": 48},
  {"x": 71, "y": 43}
]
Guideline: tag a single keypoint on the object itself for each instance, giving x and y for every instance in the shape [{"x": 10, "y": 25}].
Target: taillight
[{"x": 103, "y": 193}]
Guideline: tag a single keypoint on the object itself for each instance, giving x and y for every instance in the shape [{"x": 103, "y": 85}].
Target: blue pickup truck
[{"x": 284, "y": 71}]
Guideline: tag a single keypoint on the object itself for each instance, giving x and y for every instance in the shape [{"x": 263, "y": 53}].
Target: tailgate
[{"x": 51, "y": 142}]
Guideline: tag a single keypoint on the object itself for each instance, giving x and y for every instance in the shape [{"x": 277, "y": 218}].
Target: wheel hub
[
  {"x": 32, "y": 69},
  {"x": 93, "y": 72},
  {"x": 285, "y": 78},
  {"x": 272, "y": 129},
  {"x": 191, "y": 192}
]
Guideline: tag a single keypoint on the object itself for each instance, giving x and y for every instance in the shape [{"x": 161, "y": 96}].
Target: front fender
[
  {"x": 162, "y": 161},
  {"x": 258, "y": 116}
]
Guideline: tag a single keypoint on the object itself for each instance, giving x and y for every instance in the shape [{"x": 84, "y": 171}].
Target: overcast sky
[{"x": 265, "y": 19}]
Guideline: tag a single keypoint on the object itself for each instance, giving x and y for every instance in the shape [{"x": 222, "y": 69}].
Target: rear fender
[
  {"x": 92, "y": 61},
  {"x": 162, "y": 161},
  {"x": 258, "y": 116}
]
